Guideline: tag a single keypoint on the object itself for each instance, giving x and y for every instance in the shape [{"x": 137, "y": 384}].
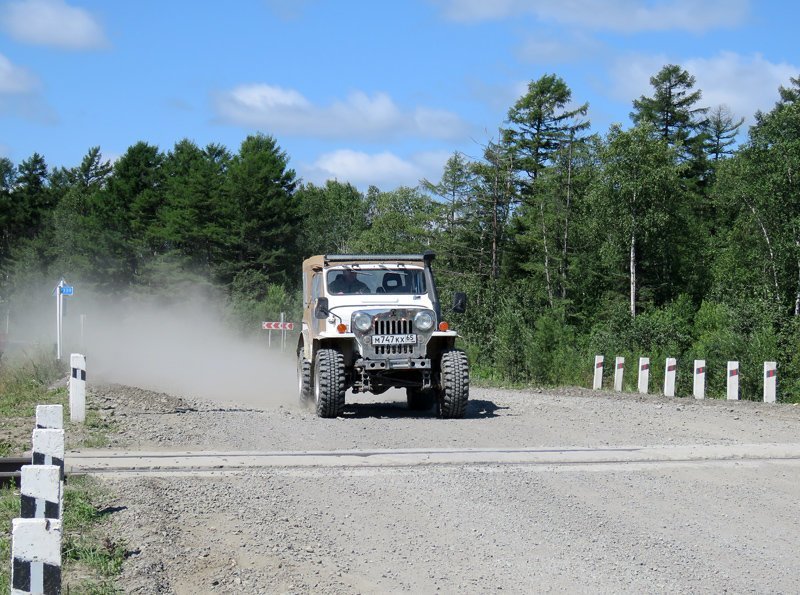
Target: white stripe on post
[
  {"x": 50, "y": 417},
  {"x": 35, "y": 556},
  {"x": 770, "y": 381},
  {"x": 619, "y": 369},
  {"x": 77, "y": 388},
  {"x": 699, "y": 389},
  {"x": 733, "y": 381},
  {"x": 598, "y": 372},
  {"x": 40, "y": 492},
  {"x": 48, "y": 448},
  {"x": 644, "y": 374},
  {"x": 670, "y": 370}
]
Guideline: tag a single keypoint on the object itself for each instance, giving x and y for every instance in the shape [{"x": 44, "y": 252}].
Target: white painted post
[
  {"x": 77, "y": 388},
  {"x": 48, "y": 448},
  {"x": 50, "y": 417},
  {"x": 40, "y": 492},
  {"x": 670, "y": 370},
  {"x": 733, "y": 381},
  {"x": 699, "y": 389},
  {"x": 619, "y": 369},
  {"x": 35, "y": 556},
  {"x": 597, "y": 384},
  {"x": 644, "y": 374},
  {"x": 283, "y": 332},
  {"x": 770, "y": 381}
]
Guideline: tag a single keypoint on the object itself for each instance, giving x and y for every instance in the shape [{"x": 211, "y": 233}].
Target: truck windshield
[{"x": 376, "y": 281}]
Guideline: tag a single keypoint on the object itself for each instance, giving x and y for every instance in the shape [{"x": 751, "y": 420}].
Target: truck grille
[
  {"x": 393, "y": 327},
  {"x": 394, "y": 349},
  {"x": 395, "y": 322}
]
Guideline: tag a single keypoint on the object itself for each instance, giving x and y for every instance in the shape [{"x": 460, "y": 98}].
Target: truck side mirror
[
  {"x": 459, "y": 302},
  {"x": 321, "y": 309}
]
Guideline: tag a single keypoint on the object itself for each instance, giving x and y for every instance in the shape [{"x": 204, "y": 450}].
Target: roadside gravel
[{"x": 681, "y": 528}]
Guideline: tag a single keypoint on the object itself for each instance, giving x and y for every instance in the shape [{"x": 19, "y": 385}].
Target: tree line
[{"x": 663, "y": 238}]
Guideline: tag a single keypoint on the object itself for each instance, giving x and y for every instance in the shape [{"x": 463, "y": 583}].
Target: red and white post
[
  {"x": 670, "y": 371},
  {"x": 733, "y": 381},
  {"x": 619, "y": 370},
  {"x": 597, "y": 384},
  {"x": 644, "y": 375},
  {"x": 699, "y": 389},
  {"x": 770, "y": 382}
]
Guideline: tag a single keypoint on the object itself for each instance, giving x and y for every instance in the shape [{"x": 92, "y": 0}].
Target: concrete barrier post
[
  {"x": 40, "y": 492},
  {"x": 36, "y": 556},
  {"x": 619, "y": 369},
  {"x": 770, "y": 382},
  {"x": 644, "y": 374},
  {"x": 699, "y": 389},
  {"x": 48, "y": 449},
  {"x": 597, "y": 384},
  {"x": 77, "y": 388},
  {"x": 670, "y": 370},
  {"x": 50, "y": 417},
  {"x": 733, "y": 381}
]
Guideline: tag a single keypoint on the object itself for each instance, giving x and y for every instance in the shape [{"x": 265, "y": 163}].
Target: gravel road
[{"x": 682, "y": 527}]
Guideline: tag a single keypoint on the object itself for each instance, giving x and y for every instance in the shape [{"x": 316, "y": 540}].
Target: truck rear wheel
[
  {"x": 303, "y": 378},
  {"x": 329, "y": 382},
  {"x": 453, "y": 384}
]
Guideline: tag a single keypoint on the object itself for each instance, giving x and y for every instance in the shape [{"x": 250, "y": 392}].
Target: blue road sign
[{"x": 67, "y": 289}]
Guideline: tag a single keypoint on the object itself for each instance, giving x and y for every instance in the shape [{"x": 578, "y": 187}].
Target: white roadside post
[
  {"x": 50, "y": 417},
  {"x": 597, "y": 384},
  {"x": 40, "y": 492},
  {"x": 619, "y": 369},
  {"x": 77, "y": 388},
  {"x": 35, "y": 556},
  {"x": 283, "y": 332},
  {"x": 48, "y": 448},
  {"x": 699, "y": 389},
  {"x": 644, "y": 375},
  {"x": 733, "y": 381},
  {"x": 670, "y": 370},
  {"x": 770, "y": 381}
]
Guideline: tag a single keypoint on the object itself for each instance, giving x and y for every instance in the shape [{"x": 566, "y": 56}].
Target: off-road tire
[
  {"x": 420, "y": 400},
  {"x": 453, "y": 384},
  {"x": 304, "y": 388},
  {"x": 329, "y": 382}
]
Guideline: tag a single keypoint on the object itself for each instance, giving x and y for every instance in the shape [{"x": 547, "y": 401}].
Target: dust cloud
[{"x": 182, "y": 348}]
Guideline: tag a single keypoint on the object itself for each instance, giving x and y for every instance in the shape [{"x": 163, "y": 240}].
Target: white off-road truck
[{"x": 374, "y": 322}]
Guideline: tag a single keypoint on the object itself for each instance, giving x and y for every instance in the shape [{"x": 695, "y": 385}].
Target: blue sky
[{"x": 363, "y": 91}]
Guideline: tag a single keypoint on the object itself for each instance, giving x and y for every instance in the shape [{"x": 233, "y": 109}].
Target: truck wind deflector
[{"x": 333, "y": 258}]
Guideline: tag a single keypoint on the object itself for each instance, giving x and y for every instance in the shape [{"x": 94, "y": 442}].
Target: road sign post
[
  {"x": 282, "y": 326},
  {"x": 60, "y": 291}
]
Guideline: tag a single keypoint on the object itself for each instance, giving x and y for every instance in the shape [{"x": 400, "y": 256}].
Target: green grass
[{"x": 9, "y": 509}]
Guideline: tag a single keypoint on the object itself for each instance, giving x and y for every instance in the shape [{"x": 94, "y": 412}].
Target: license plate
[{"x": 394, "y": 339}]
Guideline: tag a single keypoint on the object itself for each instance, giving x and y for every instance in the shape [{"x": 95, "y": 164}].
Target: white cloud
[
  {"x": 612, "y": 15},
  {"x": 20, "y": 94},
  {"x": 549, "y": 48},
  {"x": 52, "y": 23},
  {"x": 286, "y": 111},
  {"x": 385, "y": 170},
  {"x": 744, "y": 83},
  {"x": 15, "y": 80}
]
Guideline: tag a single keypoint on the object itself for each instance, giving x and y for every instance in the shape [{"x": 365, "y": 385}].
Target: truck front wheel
[
  {"x": 329, "y": 386},
  {"x": 453, "y": 384}
]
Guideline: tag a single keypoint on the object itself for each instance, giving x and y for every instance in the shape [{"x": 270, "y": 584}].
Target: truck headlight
[
  {"x": 362, "y": 321},
  {"x": 423, "y": 321}
]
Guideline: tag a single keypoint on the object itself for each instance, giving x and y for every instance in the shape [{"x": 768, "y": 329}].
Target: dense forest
[{"x": 678, "y": 235}]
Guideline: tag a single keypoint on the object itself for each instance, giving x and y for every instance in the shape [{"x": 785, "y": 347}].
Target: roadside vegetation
[
  {"x": 91, "y": 558},
  {"x": 675, "y": 234}
]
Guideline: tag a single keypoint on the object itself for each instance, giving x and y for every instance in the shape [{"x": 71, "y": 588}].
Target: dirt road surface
[{"x": 605, "y": 493}]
